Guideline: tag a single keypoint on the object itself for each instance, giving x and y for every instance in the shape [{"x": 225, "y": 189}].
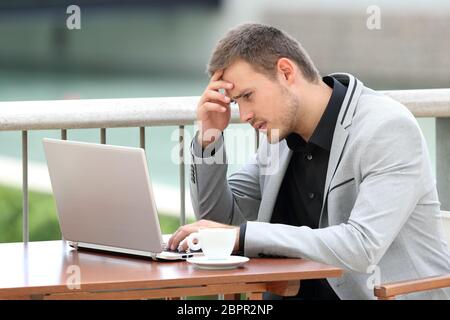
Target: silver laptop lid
[{"x": 103, "y": 195}]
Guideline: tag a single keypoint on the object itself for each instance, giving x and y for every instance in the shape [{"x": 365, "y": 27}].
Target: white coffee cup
[{"x": 216, "y": 243}]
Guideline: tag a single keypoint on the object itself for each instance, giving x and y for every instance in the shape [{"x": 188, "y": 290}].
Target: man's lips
[{"x": 262, "y": 125}]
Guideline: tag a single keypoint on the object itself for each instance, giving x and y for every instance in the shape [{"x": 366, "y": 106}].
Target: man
[{"x": 352, "y": 185}]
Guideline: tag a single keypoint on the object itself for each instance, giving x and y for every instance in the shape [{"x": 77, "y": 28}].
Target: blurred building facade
[{"x": 410, "y": 50}]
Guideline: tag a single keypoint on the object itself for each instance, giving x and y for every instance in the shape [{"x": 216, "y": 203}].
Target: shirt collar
[{"x": 323, "y": 134}]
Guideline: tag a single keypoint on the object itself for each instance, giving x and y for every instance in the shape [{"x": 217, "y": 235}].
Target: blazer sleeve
[
  {"x": 391, "y": 165},
  {"x": 231, "y": 200}
]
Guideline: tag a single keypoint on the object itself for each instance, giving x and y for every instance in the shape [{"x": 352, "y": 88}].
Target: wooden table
[{"x": 53, "y": 270}]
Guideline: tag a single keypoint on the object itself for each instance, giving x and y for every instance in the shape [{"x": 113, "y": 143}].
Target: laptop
[{"x": 105, "y": 200}]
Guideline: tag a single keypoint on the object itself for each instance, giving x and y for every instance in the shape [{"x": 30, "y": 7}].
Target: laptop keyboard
[{"x": 167, "y": 249}]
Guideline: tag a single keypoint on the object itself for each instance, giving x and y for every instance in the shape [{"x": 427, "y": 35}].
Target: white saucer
[{"x": 230, "y": 263}]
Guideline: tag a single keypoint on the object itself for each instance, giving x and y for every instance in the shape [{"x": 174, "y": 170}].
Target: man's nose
[{"x": 245, "y": 115}]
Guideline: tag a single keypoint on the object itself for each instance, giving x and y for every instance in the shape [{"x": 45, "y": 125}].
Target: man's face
[{"x": 263, "y": 102}]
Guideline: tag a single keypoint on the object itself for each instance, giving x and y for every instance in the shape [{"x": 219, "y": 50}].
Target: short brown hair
[{"x": 261, "y": 46}]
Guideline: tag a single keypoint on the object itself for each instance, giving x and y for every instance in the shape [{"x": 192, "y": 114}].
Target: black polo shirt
[{"x": 300, "y": 198}]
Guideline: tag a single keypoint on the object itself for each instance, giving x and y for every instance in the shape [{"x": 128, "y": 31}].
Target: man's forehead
[
  {"x": 236, "y": 84},
  {"x": 229, "y": 76},
  {"x": 237, "y": 69},
  {"x": 236, "y": 92},
  {"x": 239, "y": 77}
]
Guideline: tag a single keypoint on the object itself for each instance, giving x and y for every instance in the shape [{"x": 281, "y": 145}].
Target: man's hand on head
[
  {"x": 213, "y": 110},
  {"x": 178, "y": 239}
]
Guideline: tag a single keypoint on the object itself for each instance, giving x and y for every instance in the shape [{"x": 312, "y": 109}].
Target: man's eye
[{"x": 247, "y": 95}]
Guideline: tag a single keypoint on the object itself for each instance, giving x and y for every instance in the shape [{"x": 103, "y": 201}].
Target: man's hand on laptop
[{"x": 178, "y": 239}]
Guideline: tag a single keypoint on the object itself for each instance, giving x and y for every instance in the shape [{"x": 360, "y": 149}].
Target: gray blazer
[{"x": 380, "y": 220}]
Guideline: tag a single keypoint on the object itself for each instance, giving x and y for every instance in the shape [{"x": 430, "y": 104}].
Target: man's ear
[{"x": 286, "y": 69}]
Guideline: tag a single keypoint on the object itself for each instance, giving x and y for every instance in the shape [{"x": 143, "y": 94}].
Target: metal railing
[{"x": 181, "y": 111}]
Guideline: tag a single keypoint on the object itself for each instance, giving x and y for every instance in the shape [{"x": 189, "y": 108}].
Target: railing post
[
  {"x": 25, "y": 211},
  {"x": 443, "y": 161},
  {"x": 142, "y": 137},
  {"x": 63, "y": 134},
  {"x": 182, "y": 179},
  {"x": 102, "y": 135}
]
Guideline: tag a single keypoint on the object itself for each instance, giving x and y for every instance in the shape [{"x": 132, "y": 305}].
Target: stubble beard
[{"x": 287, "y": 120}]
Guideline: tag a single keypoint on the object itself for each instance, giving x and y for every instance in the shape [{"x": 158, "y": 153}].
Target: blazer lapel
[
  {"x": 341, "y": 132},
  {"x": 337, "y": 149}
]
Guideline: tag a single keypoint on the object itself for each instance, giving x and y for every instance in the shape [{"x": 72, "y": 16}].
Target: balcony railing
[{"x": 181, "y": 111}]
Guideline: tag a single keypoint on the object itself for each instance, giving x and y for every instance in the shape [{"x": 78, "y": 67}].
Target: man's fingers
[
  {"x": 179, "y": 236},
  {"x": 211, "y": 95},
  {"x": 211, "y": 106},
  {"x": 221, "y": 84},
  {"x": 169, "y": 243},
  {"x": 217, "y": 75},
  {"x": 183, "y": 246}
]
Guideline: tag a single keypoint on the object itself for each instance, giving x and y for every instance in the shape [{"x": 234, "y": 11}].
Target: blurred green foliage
[{"x": 43, "y": 218}]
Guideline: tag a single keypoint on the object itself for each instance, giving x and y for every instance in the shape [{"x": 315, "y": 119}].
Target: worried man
[{"x": 342, "y": 176}]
